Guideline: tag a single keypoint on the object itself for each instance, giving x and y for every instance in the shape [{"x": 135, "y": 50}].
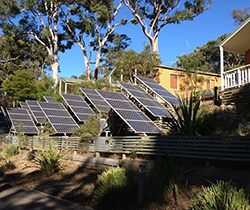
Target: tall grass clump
[
  {"x": 10, "y": 150},
  {"x": 112, "y": 189},
  {"x": 221, "y": 196},
  {"x": 166, "y": 179},
  {"x": 49, "y": 161},
  {"x": 187, "y": 118}
]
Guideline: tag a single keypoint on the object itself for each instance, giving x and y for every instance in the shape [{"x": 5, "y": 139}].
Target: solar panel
[
  {"x": 157, "y": 89},
  {"x": 129, "y": 113},
  {"x": 78, "y": 106},
  {"x": 149, "y": 102},
  {"x": 59, "y": 117},
  {"x": 49, "y": 99},
  {"x": 21, "y": 121},
  {"x": 36, "y": 112},
  {"x": 96, "y": 100},
  {"x": 23, "y": 105}
]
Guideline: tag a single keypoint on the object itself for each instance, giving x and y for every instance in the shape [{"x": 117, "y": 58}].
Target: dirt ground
[{"x": 76, "y": 184}]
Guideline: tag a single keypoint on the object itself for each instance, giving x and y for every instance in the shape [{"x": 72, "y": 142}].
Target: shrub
[
  {"x": 10, "y": 150},
  {"x": 110, "y": 180},
  {"x": 188, "y": 119},
  {"x": 222, "y": 195},
  {"x": 165, "y": 179},
  {"x": 9, "y": 165},
  {"x": 22, "y": 140},
  {"x": 90, "y": 128},
  {"x": 49, "y": 161}
]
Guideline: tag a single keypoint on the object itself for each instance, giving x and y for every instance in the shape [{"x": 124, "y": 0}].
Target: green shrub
[
  {"x": 22, "y": 140},
  {"x": 111, "y": 180},
  {"x": 114, "y": 190},
  {"x": 49, "y": 161},
  {"x": 9, "y": 165},
  {"x": 90, "y": 128},
  {"x": 221, "y": 196},
  {"x": 10, "y": 150},
  {"x": 187, "y": 119},
  {"x": 166, "y": 178}
]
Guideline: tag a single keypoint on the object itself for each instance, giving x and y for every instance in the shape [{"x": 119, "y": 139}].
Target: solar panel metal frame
[
  {"x": 150, "y": 82},
  {"x": 113, "y": 97},
  {"x": 96, "y": 100},
  {"x": 79, "y": 102},
  {"x": 23, "y": 105},
  {"x": 148, "y": 101},
  {"x": 49, "y": 99},
  {"x": 51, "y": 111},
  {"x": 36, "y": 112},
  {"x": 23, "y": 117}
]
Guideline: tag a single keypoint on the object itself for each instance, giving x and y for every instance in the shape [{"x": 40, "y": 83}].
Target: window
[
  {"x": 210, "y": 83},
  {"x": 177, "y": 82},
  {"x": 173, "y": 81}
]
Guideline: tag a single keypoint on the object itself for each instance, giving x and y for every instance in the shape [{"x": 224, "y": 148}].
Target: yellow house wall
[{"x": 164, "y": 80}]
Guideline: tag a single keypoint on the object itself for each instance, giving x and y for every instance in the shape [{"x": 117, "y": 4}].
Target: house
[
  {"x": 236, "y": 42},
  {"x": 179, "y": 82}
]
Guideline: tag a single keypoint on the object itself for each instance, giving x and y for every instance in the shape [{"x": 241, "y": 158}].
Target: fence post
[{"x": 141, "y": 183}]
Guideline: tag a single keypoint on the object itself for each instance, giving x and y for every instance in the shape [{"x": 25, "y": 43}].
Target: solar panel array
[
  {"x": 148, "y": 101},
  {"x": 23, "y": 105},
  {"x": 130, "y": 113},
  {"x": 36, "y": 112},
  {"x": 157, "y": 89},
  {"x": 49, "y": 99},
  {"x": 59, "y": 117},
  {"x": 21, "y": 121},
  {"x": 78, "y": 106},
  {"x": 96, "y": 100}
]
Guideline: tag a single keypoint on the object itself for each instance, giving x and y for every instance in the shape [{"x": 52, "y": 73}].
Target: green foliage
[
  {"x": 188, "y": 118},
  {"x": 10, "y": 150},
  {"x": 110, "y": 183},
  {"x": 8, "y": 165},
  {"x": 21, "y": 86},
  {"x": 207, "y": 58},
  {"x": 91, "y": 128},
  {"x": 125, "y": 63},
  {"x": 49, "y": 161},
  {"x": 22, "y": 140},
  {"x": 222, "y": 195},
  {"x": 166, "y": 179},
  {"x": 240, "y": 15}
]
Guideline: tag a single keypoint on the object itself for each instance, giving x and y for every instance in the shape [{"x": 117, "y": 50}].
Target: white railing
[{"x": 237, "y": 77}]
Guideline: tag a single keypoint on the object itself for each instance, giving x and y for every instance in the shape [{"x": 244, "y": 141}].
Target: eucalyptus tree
[
  {"x": 92, "y": 24},
  {"x": 207, "y": 58},
  {"x": 154, "y": 15},
  {"x": 240, "y": 15},
  {"x": 127, "y": 63},
  {"x": 18, "y": 51}
]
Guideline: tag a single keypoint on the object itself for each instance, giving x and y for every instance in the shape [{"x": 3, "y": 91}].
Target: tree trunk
[
  {"x": 98, "y": 58},
  {"x": 86, "y": 61},
  {"x": 54, "y": 67}
]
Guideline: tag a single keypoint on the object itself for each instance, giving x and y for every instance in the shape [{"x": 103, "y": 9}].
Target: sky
[{"x": 174, "y": 39}]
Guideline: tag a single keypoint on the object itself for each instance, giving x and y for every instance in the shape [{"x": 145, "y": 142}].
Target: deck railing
[{"x": 237, "y": 77}]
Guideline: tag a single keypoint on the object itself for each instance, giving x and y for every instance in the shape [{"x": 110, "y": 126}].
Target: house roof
[
  {"x": 70, "y": 80},
  {"x": 182, "y": 69},
  {"x": 239, "y": 40}
]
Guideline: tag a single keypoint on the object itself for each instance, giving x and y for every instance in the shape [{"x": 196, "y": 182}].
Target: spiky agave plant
[{"x": 187, "y": 118}]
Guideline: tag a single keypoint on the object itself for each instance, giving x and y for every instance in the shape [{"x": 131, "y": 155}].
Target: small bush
[
  {"x": 9, "y": 165},
  {"x": 114, "y": 179},
  {"x": 10, "y": 150},
  {"x": 22, "y": 140},
  {"x": 222, "y": 196},
  {"x": 49, "y": 161}
]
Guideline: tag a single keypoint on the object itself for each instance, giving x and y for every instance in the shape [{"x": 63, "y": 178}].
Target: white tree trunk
[{"x": 54, "y": 67}]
